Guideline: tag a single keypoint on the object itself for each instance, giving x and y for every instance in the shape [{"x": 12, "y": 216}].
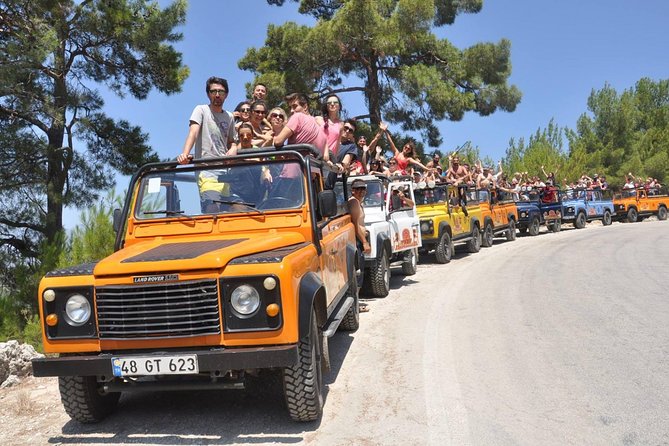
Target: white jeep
[{"x": 393, "y": 231}]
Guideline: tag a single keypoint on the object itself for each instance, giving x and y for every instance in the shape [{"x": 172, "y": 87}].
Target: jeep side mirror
[
  {"x": 327, "y": 203},
  {"x": 117, "y": 220}
]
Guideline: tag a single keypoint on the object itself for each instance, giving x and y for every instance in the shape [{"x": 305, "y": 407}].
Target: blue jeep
[
  {"x": 582, "y": 206},
  {"x": 539, "y": 206}
]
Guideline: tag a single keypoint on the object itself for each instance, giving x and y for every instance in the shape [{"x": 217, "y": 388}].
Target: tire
[
  {"x": 351, "y": 321},
  {"x": 474, "y": 245},
  {"x": 606, "y": 219},
  {"x": 632, "y": 215},
  {"x": 556, "y": 226},
  {"x": 303, "y": 382},
  {"x": 511, "y": 232},
  {"x": 488, "y": 236},
  {"x": 380, "y": 276},
  {"x": 444, "y": 249},
  {"x": 410, "y": 263},
  {"x": 662, "y": 213},
  {"x": 535, "y": 224},
  {"x": 580, "y": 221},
  {"x": 83, "y": 400}
]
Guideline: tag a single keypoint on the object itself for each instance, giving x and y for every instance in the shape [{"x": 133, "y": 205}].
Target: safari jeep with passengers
[
  {"x": 539, "y": 206},
  {"x": 392, "y": 227},
  {"x": 207, "y": 290},
  {"x": 499, "y": 214},
  {"x": 633, "y": 205},
  {"x": 585, "y": 205},
  {"x": 449, "y": 215}
]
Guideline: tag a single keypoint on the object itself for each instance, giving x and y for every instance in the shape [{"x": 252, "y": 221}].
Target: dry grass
[{"x": 22, "y": 403}]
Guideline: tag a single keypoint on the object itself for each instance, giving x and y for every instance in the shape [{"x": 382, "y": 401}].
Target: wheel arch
[{"x": 312, "y": 295}]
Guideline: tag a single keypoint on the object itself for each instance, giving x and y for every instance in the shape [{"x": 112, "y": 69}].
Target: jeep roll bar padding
[{"x": 311, "y": 295}]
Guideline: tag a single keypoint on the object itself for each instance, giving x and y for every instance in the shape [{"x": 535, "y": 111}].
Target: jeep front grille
[{"x": 166, "y": 310}]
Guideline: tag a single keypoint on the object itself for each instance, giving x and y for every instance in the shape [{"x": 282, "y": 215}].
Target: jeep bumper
[{"x": 219, "y": 358}]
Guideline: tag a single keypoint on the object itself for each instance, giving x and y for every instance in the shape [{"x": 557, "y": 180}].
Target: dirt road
[{"x": 557, "y": 339}]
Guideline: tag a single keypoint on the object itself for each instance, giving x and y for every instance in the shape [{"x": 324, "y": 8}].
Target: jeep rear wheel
[
  {"x": 444, "y": 250},
  {"x": 83, "y": 398},
  {"x": 556, "y": 226},
  {"x": 303, "y": 382},
  {"x": 632, "y": 215},
  {"x": 606, "y": 219},
  {"x": 580, "y": 221},
  {"x": 534, "y": 226},
  {"x": 380, "y": 276},
  {"x": 488, "y": 236},
  {"x": 410, "y": 263},
  {"x": 662, "y": 213},
  {"x": 351, "y": 321},
  {"x": 511, "y": 232},
  {"x": 474, "y": 245}
]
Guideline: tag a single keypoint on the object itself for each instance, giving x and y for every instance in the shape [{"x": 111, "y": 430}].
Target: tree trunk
[{"x": 374, "y": 92}]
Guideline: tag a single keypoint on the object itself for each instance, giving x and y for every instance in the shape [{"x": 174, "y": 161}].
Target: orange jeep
[
  {"x": 499, "y": 214},
  {"x": 204, "y": 292},
  {"x": 633, "y": 205}
]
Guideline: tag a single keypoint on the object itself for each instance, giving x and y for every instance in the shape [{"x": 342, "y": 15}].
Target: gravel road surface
[{"x": 559, "y": 339}]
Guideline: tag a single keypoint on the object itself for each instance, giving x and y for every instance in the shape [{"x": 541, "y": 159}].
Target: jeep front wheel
[
  {"x": 632, "y": 215},
  {"x": 380, "y": 276},
  {"x": 303, "y": 382},
  {"x": 579, "y": 223},
  {"x": 351, "y": 321},
  {"x": 474, "y": 245},
  {"x": 444, "y": 250},
  {"x": 511, "y": 232},
  {"x": 488, "y": 236},
  {"x": 662, "y": 213},
  {"x": 606, "y": 219},
  {"x": 534, "y": 226},
  {"x": 410, "y": 262},
  {"x": 83, "y": 398}
]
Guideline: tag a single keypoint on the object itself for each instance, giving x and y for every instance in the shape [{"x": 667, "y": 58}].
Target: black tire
[
  {"x": 606, "y": 219},
  {"x": 580, "y": 221},
  {"x": 535, "y": 224},
  {"x": 84, "y": 400},
  {"x": 351, "y": 321},
  {"x": 632, "y": 215},
  {"x": 443, "y": 252},
  {"x": 556, "y": 226},
  {"x": 303, "y": 382},
  {"x": 380, "y": 276},
  {"x": 410, "y": 263},
  {"x": 662, "y": 213},
  {"x": 488, "y": 236},
  {"x": 474, "y": 245},
  {"x": 511, "y": 232}
]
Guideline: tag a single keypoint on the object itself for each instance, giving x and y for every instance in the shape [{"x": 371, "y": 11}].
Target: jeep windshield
[{"x": 234, "y": 188}]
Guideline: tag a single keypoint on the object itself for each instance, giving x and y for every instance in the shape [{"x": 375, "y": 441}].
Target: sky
[{"x": 560, "y": 51}]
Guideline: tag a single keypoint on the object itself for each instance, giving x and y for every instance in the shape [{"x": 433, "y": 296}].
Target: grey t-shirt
[{"x": 215, "y": 131}]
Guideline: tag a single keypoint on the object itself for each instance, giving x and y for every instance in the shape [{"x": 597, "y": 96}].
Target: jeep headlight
[
  {"x": 523, "y": 214},
  {"x": 425, "y": 227},
  {"x": 77, "y": 310},
  {"x": 570, "y": 210},
  {"x": 245, "y": 300}
]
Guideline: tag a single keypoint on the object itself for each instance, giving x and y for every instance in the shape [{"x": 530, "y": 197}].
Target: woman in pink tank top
[{"x": 330, "y": 121}]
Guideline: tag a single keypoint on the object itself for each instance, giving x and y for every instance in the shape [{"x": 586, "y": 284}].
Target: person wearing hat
[{"x": 358, "y": 192}]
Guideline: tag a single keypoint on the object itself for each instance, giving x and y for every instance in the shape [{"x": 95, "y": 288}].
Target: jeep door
[{"x": 403, "y": 220}]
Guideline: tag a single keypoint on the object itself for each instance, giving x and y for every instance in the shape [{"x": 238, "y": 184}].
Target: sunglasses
[
  {"x": 215, "y": 92},
  {"x": 392, "y": 162},
  {"x": 260, "y": 112},
  {"x": 335, "y": 102},
  {"x": 276, "y": 115},
  {"x": 245, "y": 109},
  {"x": 349, "y": 129}
]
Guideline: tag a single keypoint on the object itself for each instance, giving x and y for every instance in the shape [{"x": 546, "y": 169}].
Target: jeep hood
[{"x": 156, "y": 255}]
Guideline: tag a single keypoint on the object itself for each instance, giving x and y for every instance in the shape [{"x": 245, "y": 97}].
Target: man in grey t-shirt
[{"x": 212, "y": 131}]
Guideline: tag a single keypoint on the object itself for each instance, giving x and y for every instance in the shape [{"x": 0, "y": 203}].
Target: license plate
[{"x": 155, "y": 365}]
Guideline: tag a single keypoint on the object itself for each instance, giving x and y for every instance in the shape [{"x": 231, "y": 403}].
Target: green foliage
[
  {"x": 408, "y": 76},
  {"x": 544, "y": 149}
]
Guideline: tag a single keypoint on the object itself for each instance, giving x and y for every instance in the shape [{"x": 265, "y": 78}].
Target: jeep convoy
[
  {"x": 635, "y": 204},
  {"x": 207, "y": 295},
  {"x": 231, "y": 271}
]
